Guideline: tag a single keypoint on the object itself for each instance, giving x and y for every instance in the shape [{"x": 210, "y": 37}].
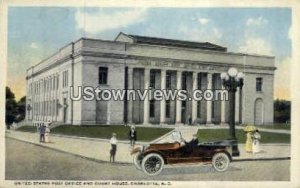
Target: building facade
[{"x": 136, "y": 62}]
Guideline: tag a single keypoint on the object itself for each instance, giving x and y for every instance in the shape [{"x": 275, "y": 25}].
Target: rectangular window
[
  {"x": 57, "y": 82},
  {"x": 54, "y": 82},
  {"x": 259, "y": 83},
  {"x": 47, "y": 85},
  {"x": 198, "y": 109},
  {"x": 168, "y": 109},
  {"x": 29, "y": 89},
  {"x": 53, "y": 108},
  {"x": 57, "y": 109},
  {"x": 50, "y": 108},
  {"x": 103, "y": 73},
  {"x": 43, "y": 110},
  {"x": 213, "y": 109},
  {"x": 65, "y": 79},
  {"x": 183, "y": 84},
  {"x": 168, "y": 80},
  {"x": 152, "y": 78},
  {"x": 51, "y": 81},
  {"x": 44, "y": 85},
  {"x": 199, "y": 81},
  {"x": 152, "y": 108}
]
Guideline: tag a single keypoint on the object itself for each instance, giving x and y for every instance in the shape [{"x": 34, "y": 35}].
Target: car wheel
[
  {"x": 152, "y": 164},
  {"x": 137, "y": 161},
  {"x": 220, "y": 162}
]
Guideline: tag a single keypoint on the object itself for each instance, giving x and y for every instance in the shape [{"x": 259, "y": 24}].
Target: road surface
[{"x": 26, "y": 161}]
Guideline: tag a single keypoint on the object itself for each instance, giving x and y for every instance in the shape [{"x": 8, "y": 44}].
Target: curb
[
  {"x": 73, "y": 154},
  {"x": 262, "y": 159},
  {"x": 96, "y": 139}
]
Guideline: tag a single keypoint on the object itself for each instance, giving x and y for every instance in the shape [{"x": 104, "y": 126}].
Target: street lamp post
[{"x": 231, "y": 81}]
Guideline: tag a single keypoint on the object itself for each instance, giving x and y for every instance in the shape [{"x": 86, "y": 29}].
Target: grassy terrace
[
  {"x": 276, "y": 126},
  {"x": 219, "y": 134},
  {"x": 104, "y": 131}
]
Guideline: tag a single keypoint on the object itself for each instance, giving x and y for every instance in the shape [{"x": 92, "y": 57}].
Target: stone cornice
[{"x": 147, "y": 61}]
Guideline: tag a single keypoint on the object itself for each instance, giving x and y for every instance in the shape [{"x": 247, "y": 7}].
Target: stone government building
[{"x": 138, "y": 62}]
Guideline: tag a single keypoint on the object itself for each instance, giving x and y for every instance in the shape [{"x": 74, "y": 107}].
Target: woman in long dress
[
  {"x": 256, "y": 138},
  {"x": 248, "y": 145}
]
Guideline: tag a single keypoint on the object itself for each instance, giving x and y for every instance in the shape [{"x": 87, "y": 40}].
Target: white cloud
[
  {"x": 202, "y": 34},
  {"x": 256, "y": 21},
  {"x": 282, "y": 78},
  {"x": 33, "y": 45},
  {"x": 103, "y": 21},
  {"x": 203, "y": 21},
  {"x": 256, "y": 46}
]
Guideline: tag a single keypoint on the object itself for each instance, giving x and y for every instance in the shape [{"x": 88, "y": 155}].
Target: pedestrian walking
[
  {"x": 255, "y": 146},
  {"x": 47, "y": 132},
  {"x": 249, "y": 142},
  {"x": 42, "y": 130},
  {"x": 113, "y": 150},
  {"x": 132, "y": 136}
]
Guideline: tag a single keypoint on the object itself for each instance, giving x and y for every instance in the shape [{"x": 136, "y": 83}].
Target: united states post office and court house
[{"x": 138, "y": 62}]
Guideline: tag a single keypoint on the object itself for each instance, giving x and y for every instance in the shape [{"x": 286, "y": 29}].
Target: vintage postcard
[{"x": 150, "y": 94}]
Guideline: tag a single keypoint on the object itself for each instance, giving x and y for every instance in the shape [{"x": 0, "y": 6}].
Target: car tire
[
  {"x": 137, "y": 162},
  {"x": 152, "y": 164},
  {"x": 220, "y": 162}
]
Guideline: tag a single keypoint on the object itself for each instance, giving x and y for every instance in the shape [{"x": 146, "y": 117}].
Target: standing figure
[
  {"x": 42, "y": 132},
  {"x": 47, "y": 132},
  {"x": 113, "y": 150},
  {"x": 248, "y": 145},
  {"x": 256, "y": 137},
  {"x": 190, "y": 120},
  {"x": 132, "y": 136}
]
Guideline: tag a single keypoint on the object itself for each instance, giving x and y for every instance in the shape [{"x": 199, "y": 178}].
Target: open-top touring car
[{"x": 152, "y": 158}]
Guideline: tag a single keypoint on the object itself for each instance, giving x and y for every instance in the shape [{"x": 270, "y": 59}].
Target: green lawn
[
  {"x": 28, "y": 128},
  {"x": 205, "y": 135},
  {"x": 149, "y": 134},
  {"x": 105, "y": 131},
  {"x": 276, "y": 126}
]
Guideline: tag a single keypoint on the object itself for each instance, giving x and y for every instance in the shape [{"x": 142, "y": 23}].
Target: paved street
[{"x": 30, "y": 162}]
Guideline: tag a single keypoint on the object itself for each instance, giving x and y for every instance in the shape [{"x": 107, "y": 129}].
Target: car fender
[
  {"x": 157, "y": 152},
  {"x": 223, "y": 151}
]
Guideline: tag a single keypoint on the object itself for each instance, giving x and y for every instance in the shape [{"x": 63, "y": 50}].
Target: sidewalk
[{"x": 98, "y": 149}]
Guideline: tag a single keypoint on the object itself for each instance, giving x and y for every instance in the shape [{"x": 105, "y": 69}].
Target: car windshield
[{"x": 172, "y": 137}]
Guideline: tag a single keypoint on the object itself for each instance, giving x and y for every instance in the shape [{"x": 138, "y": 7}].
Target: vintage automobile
[{"x": 152, "y": 158}]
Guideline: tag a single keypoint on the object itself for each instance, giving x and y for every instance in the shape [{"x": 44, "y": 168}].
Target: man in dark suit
[
  {"x": 188, "y": 148},
  {"x": 194, "y": 142},
  {"x": 42, "y": 132},
  {"x": 132, "y": 136}
]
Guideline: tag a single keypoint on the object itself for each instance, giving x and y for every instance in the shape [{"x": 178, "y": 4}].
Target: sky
[{"x": 35, "y": 33}]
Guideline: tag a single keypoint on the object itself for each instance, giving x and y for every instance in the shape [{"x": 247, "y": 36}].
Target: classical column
[
  {"x": 223, "y": 108},
  {"x": 237, "y": 105},
  {"x": 129, "y": 102},
  {"x": 194, "y": 102},
  {"x": 178, "y": 102},
  {"x": 209, "y": 102},
  {"x": 163, "y": 101},
  {"x": 146, "y": 101}
]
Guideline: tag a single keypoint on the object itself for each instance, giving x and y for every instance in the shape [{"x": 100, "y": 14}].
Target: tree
[
  {"x": 282, "y": 111},
  {"x": 11, "y": 106},
  {"x": 15, "y": 111},
  {"x": 21, "y": 109}
]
